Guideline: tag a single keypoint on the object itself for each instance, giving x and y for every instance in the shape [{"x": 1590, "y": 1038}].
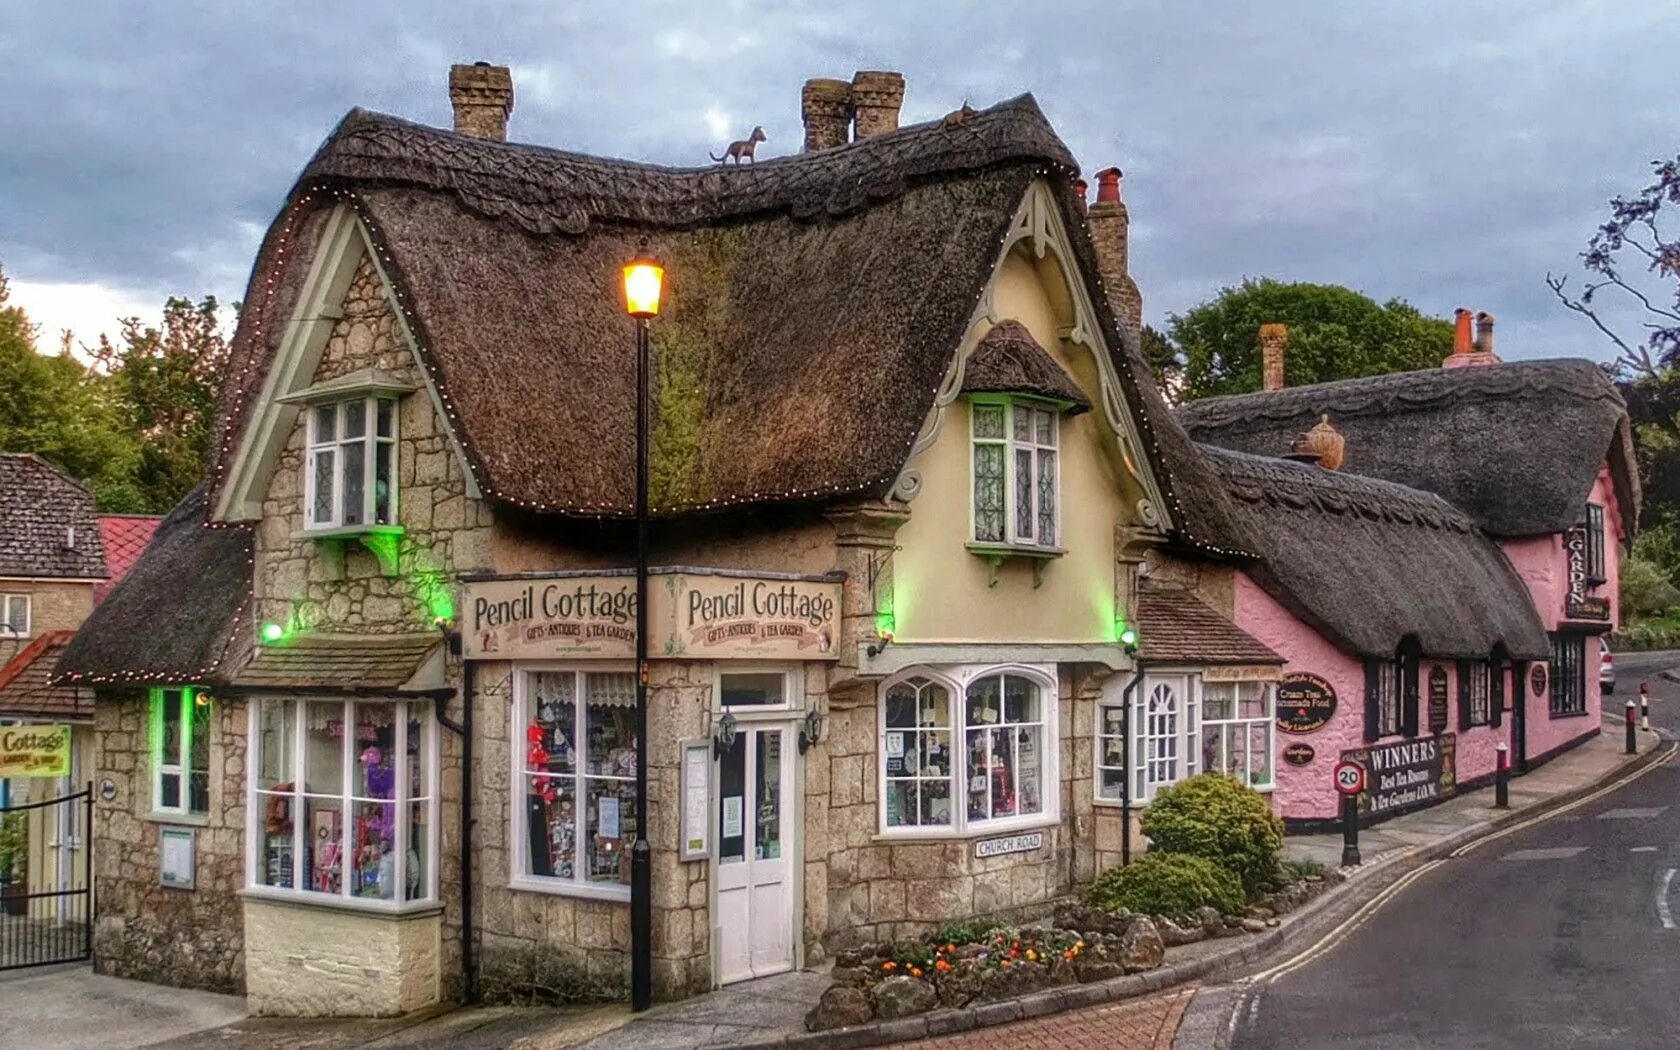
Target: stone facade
[
  {"x": 309, "y": 961},
  {"x": 194, "y": 938}
]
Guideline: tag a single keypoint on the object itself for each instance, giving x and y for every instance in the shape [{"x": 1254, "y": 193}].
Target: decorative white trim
[{"x": 1038, "y": 221}]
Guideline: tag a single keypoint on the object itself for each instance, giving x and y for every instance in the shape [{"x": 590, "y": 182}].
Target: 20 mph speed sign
[{"x": 1350, "y": 778}]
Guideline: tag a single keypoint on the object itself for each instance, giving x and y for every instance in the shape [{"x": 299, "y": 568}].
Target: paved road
[{"x": 1561, "y": 935}]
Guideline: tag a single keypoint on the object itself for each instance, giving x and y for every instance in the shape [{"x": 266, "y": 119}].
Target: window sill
[
  {"x": 380, "y": 540},
  {"x": 191, "y": 820},
  {"x": 1567, "y": 714},
  {"x": 376, "y": 908},
  {"x": 562, "y": 888},
  {"x": 970, "y": 834},
  {"x": 995, "y": 553}
]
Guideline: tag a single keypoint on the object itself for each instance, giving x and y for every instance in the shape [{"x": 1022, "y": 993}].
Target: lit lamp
[{"x": 644, "y": 280}]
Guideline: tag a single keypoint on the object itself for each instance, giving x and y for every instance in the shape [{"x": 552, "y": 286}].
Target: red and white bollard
[
  {"x": 1632, "y": 728},
  {"x": 1644, "y": 705}
]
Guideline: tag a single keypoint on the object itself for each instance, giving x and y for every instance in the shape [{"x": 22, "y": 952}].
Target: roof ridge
[{"x": 1331, "y": 491}]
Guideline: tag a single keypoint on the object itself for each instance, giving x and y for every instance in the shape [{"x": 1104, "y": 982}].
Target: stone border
[{"x": 1301, "y": 923}]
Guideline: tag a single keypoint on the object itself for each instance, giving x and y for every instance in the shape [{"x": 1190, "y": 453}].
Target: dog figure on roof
[{"x": 741, "y": 148}]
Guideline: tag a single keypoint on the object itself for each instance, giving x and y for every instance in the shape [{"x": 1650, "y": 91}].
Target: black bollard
[
  {"x": 1350, "y": 830},
  {"x": 1502, "y": 778}
]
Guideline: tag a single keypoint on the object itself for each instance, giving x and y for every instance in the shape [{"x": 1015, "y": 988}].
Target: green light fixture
[{"x": 272, "y": 632}]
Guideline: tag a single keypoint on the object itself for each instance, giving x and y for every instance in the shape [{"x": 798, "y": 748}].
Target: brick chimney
[
  {"x": 1274, "y": 341},
  {"x": 1468, "y": 352},
  {"x": 482, "y": 95},
  {"x": 1110, "y": 232},
  {"x": 876, "y": 98},
  {"x": 825, "y": 105}
]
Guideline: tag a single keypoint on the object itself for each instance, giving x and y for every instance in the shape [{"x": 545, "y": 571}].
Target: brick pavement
[{"x": 1136, "y": 1024}]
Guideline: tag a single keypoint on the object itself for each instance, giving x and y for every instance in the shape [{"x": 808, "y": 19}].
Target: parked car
[{"x": 1606, "y": 669}]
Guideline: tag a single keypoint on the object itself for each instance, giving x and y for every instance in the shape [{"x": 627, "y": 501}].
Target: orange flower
[
  {"x": 1004, "y": 964},
  {"x": 1032, "y": 955},
  {"x": 942, "y": 966},
  {"x": 1070, "y": 953},
  {"x": 950, "y": 947},
  {"x": 889, "y": 966},
  {"x": 915, "y": 971}
]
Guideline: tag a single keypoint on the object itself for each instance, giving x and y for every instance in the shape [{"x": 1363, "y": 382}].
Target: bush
[
  {"x": 967, "y": 931},
  {"x": 1305, "y": 868},
  {"x": 1170, "y": 884},
  {"x": 1215, "y": 817}
]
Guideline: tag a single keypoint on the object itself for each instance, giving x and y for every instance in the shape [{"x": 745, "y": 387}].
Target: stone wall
[
  {"x": 337, "y": 584},
  {"x": 310, "y": 961},
  {"x": 194, "y": 938}
]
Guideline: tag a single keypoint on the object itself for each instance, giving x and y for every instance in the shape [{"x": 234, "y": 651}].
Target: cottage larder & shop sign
[
  {"x": 692, "y": 614},
  {"x": 34, "y": 751}
]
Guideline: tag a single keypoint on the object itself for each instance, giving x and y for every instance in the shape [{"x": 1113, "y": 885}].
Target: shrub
[
  {"x": 967, "y": 931},
  {"x": 1305, "y": 868},
  {"x": 1216, "y": 817},
  {"x": 1170, "y": 884}
]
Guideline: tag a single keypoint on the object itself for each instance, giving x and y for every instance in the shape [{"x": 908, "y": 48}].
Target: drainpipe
[
  {"x": 1126, "y": 763},
  {"x": 464, "y": 729}
]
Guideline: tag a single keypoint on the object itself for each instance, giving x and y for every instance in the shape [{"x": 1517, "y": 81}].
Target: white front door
[{"x": 758, "y": 852}]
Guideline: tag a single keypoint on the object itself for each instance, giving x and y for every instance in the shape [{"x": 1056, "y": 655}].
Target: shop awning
[
  {"x": 346, "y": 663},
  {"x": 1175, "y": 626},
  {"x": 26, "y": 689}
]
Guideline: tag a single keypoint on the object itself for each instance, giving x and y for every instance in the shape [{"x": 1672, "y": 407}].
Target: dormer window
[
  {"x": 350, "y": 477},
  {"x": 1016, "y": 480}
]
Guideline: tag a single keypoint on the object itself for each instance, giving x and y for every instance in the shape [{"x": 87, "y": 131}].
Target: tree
[
  {"x": 1334, "y": 333},
  {"x": 1164, "y": 362},
  {"x": 165, "y": 381}
]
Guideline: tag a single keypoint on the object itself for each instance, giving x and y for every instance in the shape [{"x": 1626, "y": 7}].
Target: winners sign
[
  {"x": 1408, "y": 773},
  {"x": 694, "y": 615}
]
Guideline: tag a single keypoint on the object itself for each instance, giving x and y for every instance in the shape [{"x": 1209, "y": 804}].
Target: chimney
[
  {"x": 482, "y": 95},
  {"x": 1274, "y": 341},
  {"x": 1468, "y": 352},
  {"x": 876, "y": 98},
  {"x": 1110, "y": 228},
  {"x": 1081, "y": 191},
  {"x": 825, "y": 104}
]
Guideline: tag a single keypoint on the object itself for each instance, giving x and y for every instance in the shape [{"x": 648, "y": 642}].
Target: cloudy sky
[{"x": 1446, "y": 153}]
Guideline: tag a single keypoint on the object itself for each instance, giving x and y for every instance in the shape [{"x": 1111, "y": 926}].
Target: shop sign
[
  {"x": 35, "y": 751},
  {"x": 1305, "y": 702},
  {"x": 1437, "y": 699},
  {"x": 1241, "y": 673},
  {"x": 691, "y": 615},
  {"x": 1407, "y": 773},
  {"x": 1577, "y": 604},
  {"x": 1537, "y": 679},
  {"x": 1299, "y": 754},
  {"x": 1009, "y": 844}
]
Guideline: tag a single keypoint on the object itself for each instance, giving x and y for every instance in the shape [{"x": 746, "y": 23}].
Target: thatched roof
[
  {"x": 814, "y": 303},
  {"x": 47, "y": 525},
  {"x": 1008, "y": 360},
  {"x": 1367, "y": 562},
  {"x": 176, "y": 614},
  {"x": 1175, "y": 626},
  {"x": 1517, "y": 446}
]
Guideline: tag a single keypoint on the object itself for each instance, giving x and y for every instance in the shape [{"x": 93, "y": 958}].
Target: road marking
[
  {"x": 1643, "y": 849},
  {"x": 1663, "y": 913},
  {"x": 1546, "y": 853},
  {"x": 1633, "y": 813}
]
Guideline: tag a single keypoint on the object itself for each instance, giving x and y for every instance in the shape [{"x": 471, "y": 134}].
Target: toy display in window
[{"x": 374, "y": 859}]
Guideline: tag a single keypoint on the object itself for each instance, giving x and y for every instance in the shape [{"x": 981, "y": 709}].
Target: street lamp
[{"x": 644, "y": 279}]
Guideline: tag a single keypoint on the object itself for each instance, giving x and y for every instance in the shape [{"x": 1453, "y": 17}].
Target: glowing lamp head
[
  {"x": 644, "y": 280},
  {"x": 272, "y": 632},
  {"x": 1128, "y": 637}
]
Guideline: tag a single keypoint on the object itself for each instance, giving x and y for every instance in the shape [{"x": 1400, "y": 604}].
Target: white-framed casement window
[
  {"x": 574, "y": 781},
  {"x": 1238, "y": 723},
  {"x": 14, "y": 616},
  {"x": 1016, "y": 476},
  {"x": 343, "y": 800},
  {"x": 1388, "y": 697},
  {"x": 1163, "y": 728},
  {"x": 967, "y": 753},
  {"x": 350, "y": 471},
  {"x": 180, "y": 751}
]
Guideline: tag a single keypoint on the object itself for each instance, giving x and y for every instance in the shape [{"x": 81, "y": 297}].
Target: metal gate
[{"x": 46, "y": 881}]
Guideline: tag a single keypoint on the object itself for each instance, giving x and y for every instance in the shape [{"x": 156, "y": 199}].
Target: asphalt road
[{"x": 1560, "y": 935}]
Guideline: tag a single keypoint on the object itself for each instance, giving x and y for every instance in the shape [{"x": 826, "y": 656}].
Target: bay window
[
  {"x": 1016, "y": 480},
  {"x": 180, "y": 751},
  {"x": 1238, "y": 720},
  {"x": 344, "y": 799},
  {"x": 966, "y": 758},
  {"x": 574, "y": 790},
  {"x": 350, "y": 466},
  {"x": 1182, "y": 725}
]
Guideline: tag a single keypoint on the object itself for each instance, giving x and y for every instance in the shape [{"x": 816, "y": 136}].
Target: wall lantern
[
  {"x": 644, "y": 279},
  {"x": 723, "y": 735},
  {"x": 272, "y": 632},
  {"x": 810, "y": 733}
]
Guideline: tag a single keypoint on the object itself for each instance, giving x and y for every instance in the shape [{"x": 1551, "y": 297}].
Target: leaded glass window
[{"x": 1016, "y": 480}]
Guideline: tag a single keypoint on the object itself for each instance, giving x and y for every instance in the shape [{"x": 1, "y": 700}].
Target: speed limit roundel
[{"x": 1350, "y": 778}]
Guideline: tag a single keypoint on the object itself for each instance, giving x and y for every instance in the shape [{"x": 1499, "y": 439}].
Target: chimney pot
[
  {"x": 482, "y": 97},
  {"x": 1461, "y": 331},
  {"x": 1108, "y": 186},
  {"x": 1110, "y": 226},
  {"x": 1274, "y": 342},
  {"x": 1468, "y": 352},
  {"x": 877, "y": 96},
  {"x": 1323, "y": 444},
  {"x": 1081, "y": 192},
  {"x": 1484, "y": 333},
  {"x": 825, "y": 105}
]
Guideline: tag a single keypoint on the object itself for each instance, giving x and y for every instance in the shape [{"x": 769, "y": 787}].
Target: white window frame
[
  {"x": 370, "y": 441},
  {"x": 180, "y": 768},
  {"x": 1013, "y": 536},
  {"x": 1267, "y": 721},
  {"x": 1478, "y": 692},
  {"x": 7, "y": 600},
  {"x": 518, "y": 835},
  {"x": 956, "y": 681},
  {"x": 1187, "y": 736},
  {"x": 257, "y": 798}
]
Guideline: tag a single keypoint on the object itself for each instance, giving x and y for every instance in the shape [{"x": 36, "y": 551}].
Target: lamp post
[{"x": 643, "y": 278}]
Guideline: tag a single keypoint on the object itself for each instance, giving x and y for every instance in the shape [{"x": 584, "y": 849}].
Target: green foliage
[
  {"x": 1334, "y": 333},
  {"x": 1652, "y": 633},
  {"x": 1165, "y": 362},
  {"x": 967, "y": 931},
  {"x": 1305, "y": 868},
  {"x": 1170, "y": 884},
  {"x": 1646, "y": 589},
  {"x": 14, "y": 846},
  {"x": 1215, "y": 817}
]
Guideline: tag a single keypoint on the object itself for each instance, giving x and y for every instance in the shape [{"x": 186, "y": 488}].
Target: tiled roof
[
  {"x": 1175, "y": 626},
  {"x": 47, "y": 527},
  {"x": 26, "y": 689},
  {"x": 125, "y": 537},
  {"x": 348, "y": 662}
]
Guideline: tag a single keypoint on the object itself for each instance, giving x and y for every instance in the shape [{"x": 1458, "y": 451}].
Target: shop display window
[
  {"x": 180, "y": 750},
  {"x": 575, "y": 790},
  {"x": 343, "y": 799},
  {"x": 1238, "y": 720},
  {"x": 1182, "y": 725}
]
